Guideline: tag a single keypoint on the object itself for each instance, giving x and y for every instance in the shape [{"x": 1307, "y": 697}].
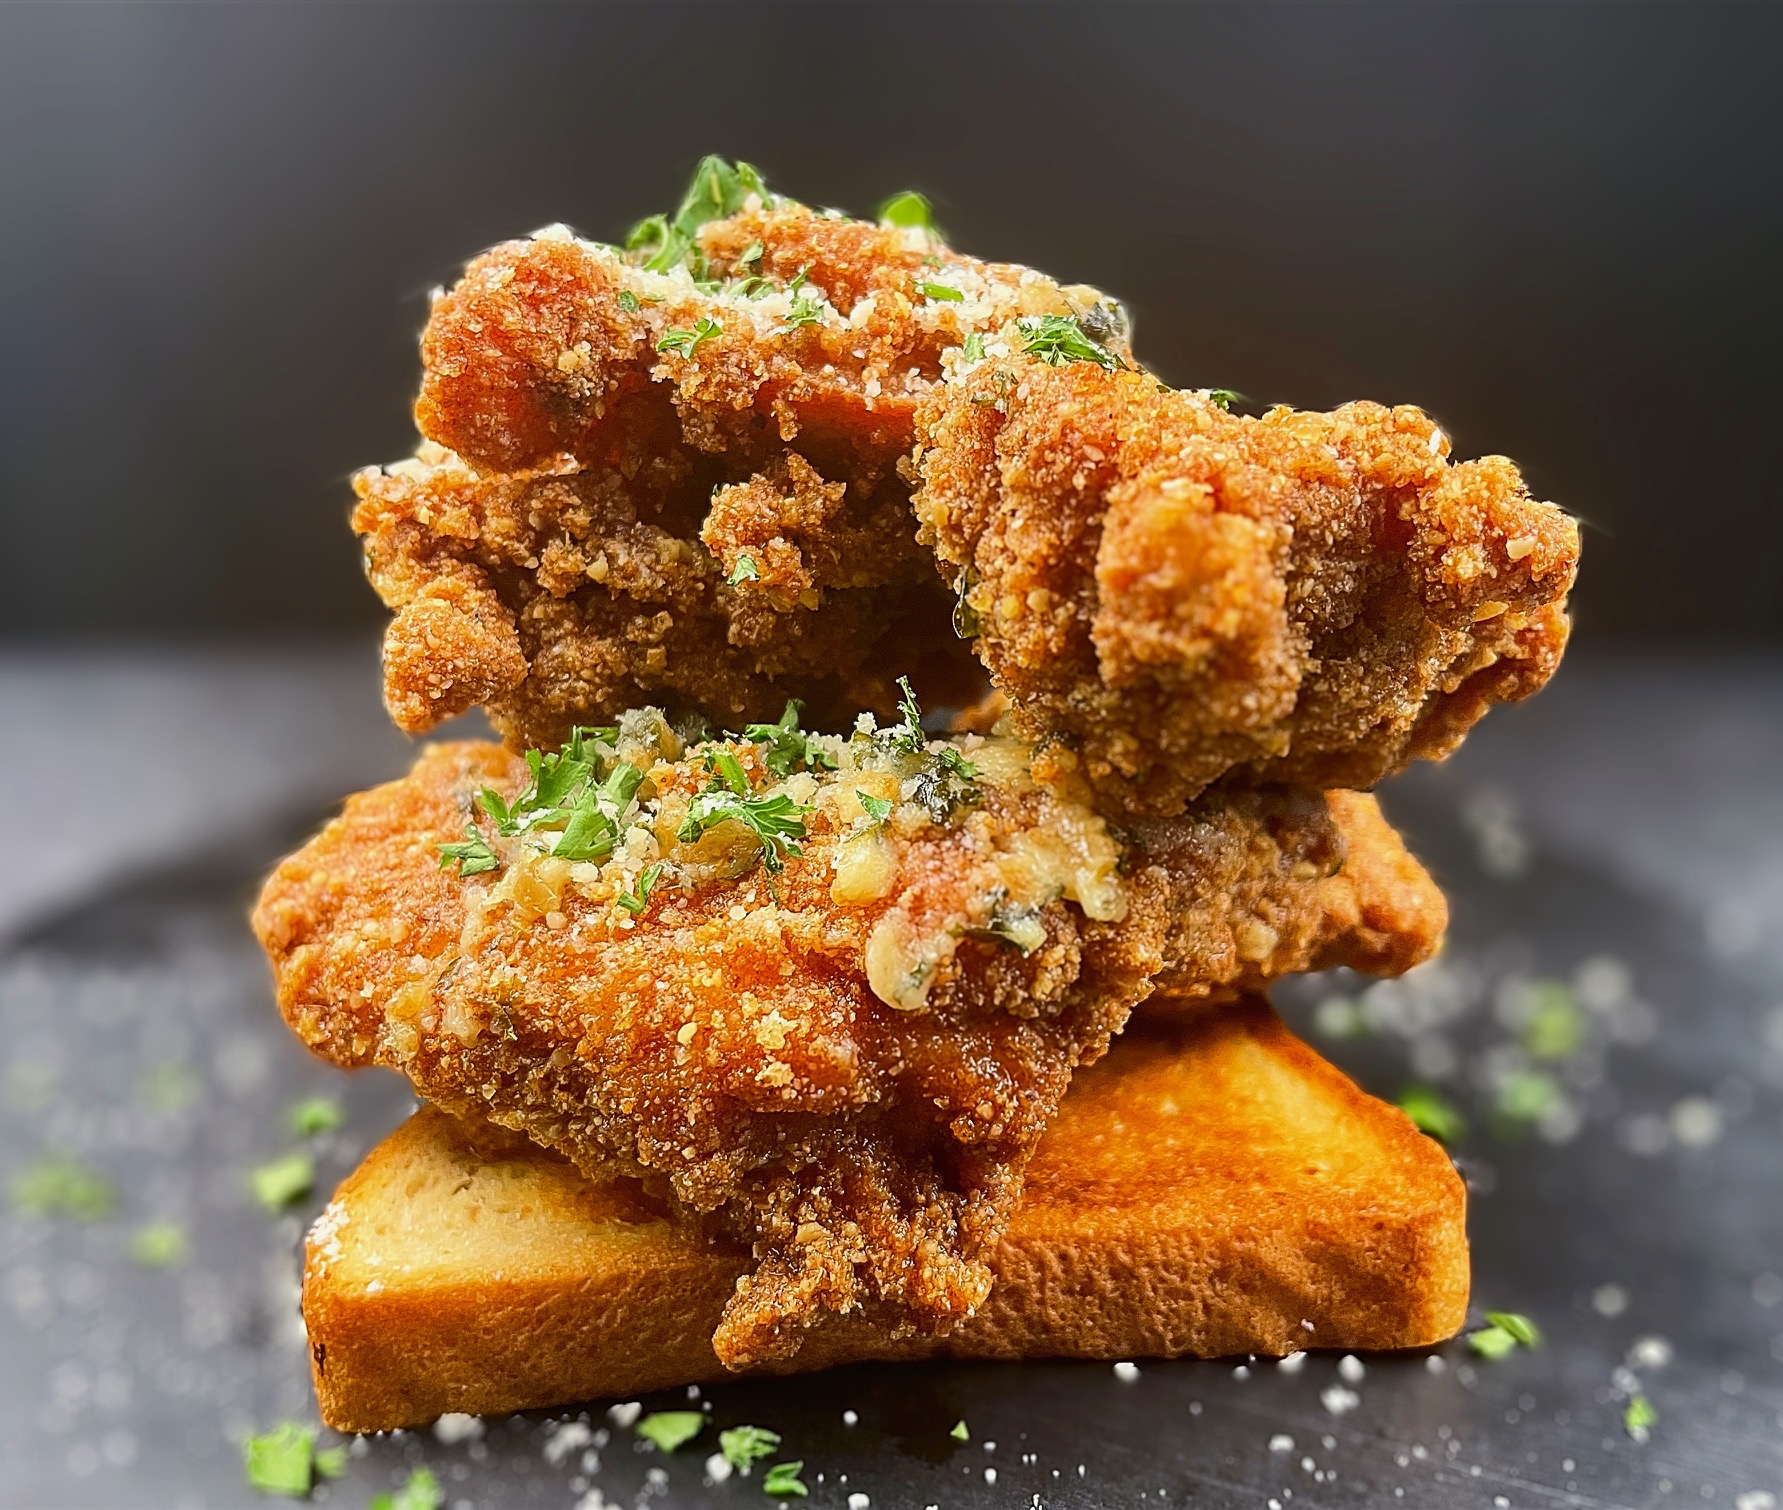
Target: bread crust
[{"x": 1210, "y": 1188}]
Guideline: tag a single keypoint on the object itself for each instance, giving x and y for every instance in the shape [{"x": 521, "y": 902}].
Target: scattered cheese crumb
[
  {"x": 455, "y": 1427},
  {"x": 1349, "y": 1369},
  {"x": 1281, "y": 1442},
  {"x": 1126, "y": 1372},
  {"x": 1292, "y": 1364},
  {"x": 849, "y": 1418},
  {"x": 1338, "y": 1400}
]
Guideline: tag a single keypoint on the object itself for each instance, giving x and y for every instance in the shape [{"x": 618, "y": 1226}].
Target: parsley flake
[
  {"x": 159, "y": 1245},
  {"x": 1518, "y": 1325},
  {"x": 331, "y": 1462},
  {"x": 948, "y": 783},
  {"x": 974, "y": 347},
  {"x": 789, "y": 748},
  {"x": 877, "y": 809},
  {"x": 805, "y": 309},
  {"x": 719, "y": 189},
  {"x": 744, "y": 571},
  {"x": 745, "y": 1445},
  {"x": 1057, "y": 339},
  {"x": 959, "y": 1432},
  {"x": 907, "y": 735},
  {"x": 685, "y": 342},
  {"x": 783, "y": 1480},
  {"x": 472, "y": 854},
  {"x": 908, "y": 210},
  {"x": 421, "y": 1491},
  {"x": 751, "y": 253},
  {"x": 281, "y": 1461},
  {"x": 1503, "y": 1334},
  {"x": 57, "y": 1185},
  {"x": 1431, "y": 1113},
  {"x": 284, "y": 1181},
  {"x": 670, "y": 1429},
  {"x": 628, "y": 301},
  {"x": 637, "y": 900},
  {"x": 1224, "y": 397},
  {"x": 1639, "y": 1418},
  {"x": 316, "y": 1114},
  {"x": 1492, "y": 1343},
  {"x": 941, "y": 292},
  {"x": 775, "y": 821},
  {"x": 967, "y": 621}
]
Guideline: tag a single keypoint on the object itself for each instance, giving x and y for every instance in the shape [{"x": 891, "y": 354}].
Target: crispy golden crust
[
  {"x": 1209, "y": 1190},
  {"x": 566, "y": 547},
  {"x": 1173, "y": 593},
  {"x": 738, "y": 1045}
]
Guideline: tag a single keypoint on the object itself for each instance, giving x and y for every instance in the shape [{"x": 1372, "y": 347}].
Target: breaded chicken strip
[
  {"x": 829, "y": 990},
  {"x": 674, "y": 473},
  {"x": 1169, "y": 593},
  {"x": 673, "y": 477}
]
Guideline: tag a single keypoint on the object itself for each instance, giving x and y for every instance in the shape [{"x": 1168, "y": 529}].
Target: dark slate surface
[{"x": 1638, "y": 1218}]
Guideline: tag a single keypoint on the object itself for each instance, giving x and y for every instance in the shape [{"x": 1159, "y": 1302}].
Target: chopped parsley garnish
[
  {"x": 628, "y": 301},
  {"x": 907, "y": 735},
  {"x": 284, "y": 1181},
  {"x": 744, "y": 571},
  {"x": 948, "y": 784},
  {"x": 316, "y": 1114},
  {"x": 285, "y": 1461},
  {"x": 974, "y": 347},
  {"x": 877, "y": 809},
  {"x": 719, "y": 189},
  {"x": 472, "y": 854},
  {"x": 789, "y": 748},
  {"x": 1057, "y": 339},
  {"x": 1504, "y": 1332},
  {"x": 783, "y": 1481},
  {"x": 1639, "y": 1418},
  {"x": 940, "y": 291},
  {"x": 1224, "y": 397},
  {"x": 751, "y": 253},
  {"x": 670, "y": 1429},
  {"x": 729, "y": 770},
  {"x": 637, "y": 900},
  {"x": 566, "y": 793},
  {"x": 57, "y": 1185},
  {"x": 685, "y": 342},
  {"x": 959, "y": 1432},
  {"x": 775, "y": 821},
  {"x": 159, "y": 1245},
  {"x": 1432, "y": 1113},
  {"x": 744, "y": 1445},
  {"x": 421, "y": 1491},
  {"x": 1492, "y": 1343},
  {"x": 1518, "y": 1325},
  {"x": 908, "y": 209},
  {"x": 804, "y": 310}
]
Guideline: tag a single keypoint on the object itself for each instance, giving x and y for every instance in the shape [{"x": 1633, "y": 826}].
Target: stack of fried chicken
[{"x": 704, "y": 523}]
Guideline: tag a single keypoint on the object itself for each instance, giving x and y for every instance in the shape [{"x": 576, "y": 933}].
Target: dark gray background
[{"x": 1558, "y": 228}]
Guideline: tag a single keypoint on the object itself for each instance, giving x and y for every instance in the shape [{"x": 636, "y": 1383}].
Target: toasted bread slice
[{"x": 1209, "y": 1188}]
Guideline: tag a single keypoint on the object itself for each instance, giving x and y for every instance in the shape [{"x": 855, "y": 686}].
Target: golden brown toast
[{"x": 1209, "y": 1188}]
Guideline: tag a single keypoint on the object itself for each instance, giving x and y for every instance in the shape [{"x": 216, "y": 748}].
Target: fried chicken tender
[
  {"x": 847, "y": 1060},
  {"x": 1169, "y": 593},
  {"x": 642, "y": 487}
]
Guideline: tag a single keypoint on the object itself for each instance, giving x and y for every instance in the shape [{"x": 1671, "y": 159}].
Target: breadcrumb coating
[
  {"x": 847, "y": 1063},
  {"x": 1169, "y": 594}
]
